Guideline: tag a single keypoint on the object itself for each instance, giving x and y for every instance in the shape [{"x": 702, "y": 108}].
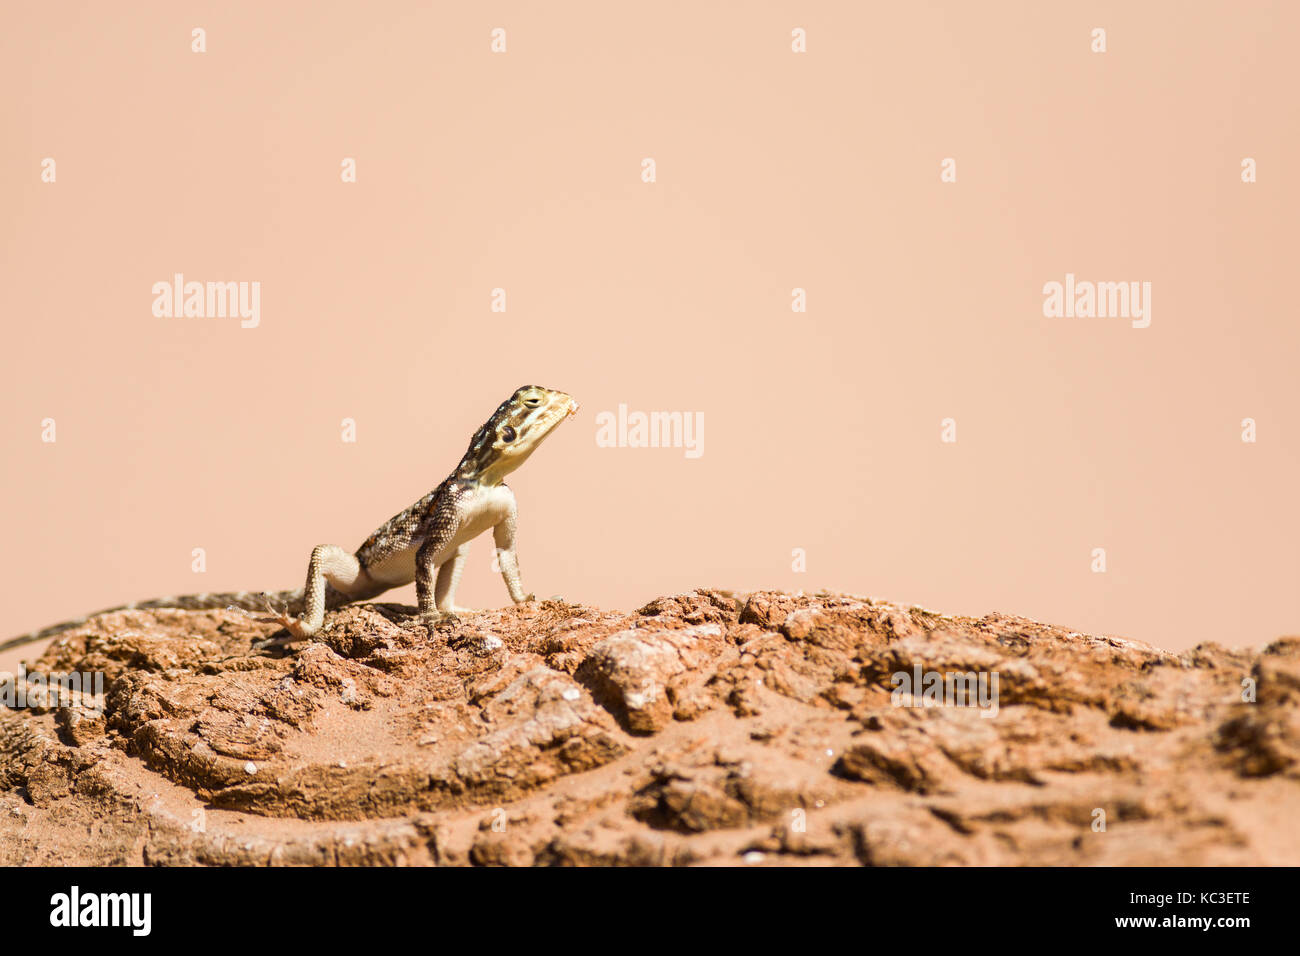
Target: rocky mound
[{"x": 704, "y": 728}]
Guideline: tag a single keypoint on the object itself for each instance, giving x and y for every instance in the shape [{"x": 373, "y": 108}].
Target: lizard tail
[{"x": 290, "y": 602}]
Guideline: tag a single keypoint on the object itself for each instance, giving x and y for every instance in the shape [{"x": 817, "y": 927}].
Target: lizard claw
[
  {"x": 282, "y": 617},
  {"x": 236, "y": 609},
  {"x": 290, "y": 624},
  {"x": 284, "y": 620},
  {"x": 276, "y": 616},
  {"x": 277, "y": 612},
  {"x": 433, "y": 622}
]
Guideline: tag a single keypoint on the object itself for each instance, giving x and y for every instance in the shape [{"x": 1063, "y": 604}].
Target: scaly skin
[{"x": 426, "y": 543}]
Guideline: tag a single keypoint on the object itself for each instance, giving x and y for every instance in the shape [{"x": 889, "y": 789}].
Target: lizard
[{"x": 426, "y": 543}]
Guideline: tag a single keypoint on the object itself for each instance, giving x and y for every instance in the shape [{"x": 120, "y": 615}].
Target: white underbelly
[
  {"x": 485, "y": 510},
  {"x": 395, "y": 570}
]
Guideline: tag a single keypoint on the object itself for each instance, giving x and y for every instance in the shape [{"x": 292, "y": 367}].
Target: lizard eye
[
  {"x": 532, "y": 402},
  {"x": 507, "y": 434}
]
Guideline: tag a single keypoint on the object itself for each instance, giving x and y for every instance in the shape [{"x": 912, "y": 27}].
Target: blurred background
[{"x": 774, "y": 170}]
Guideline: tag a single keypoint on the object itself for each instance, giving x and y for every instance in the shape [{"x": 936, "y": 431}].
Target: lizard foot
[
  {"x": 293, "y": 625},
  {"x": 438, "y": 620}
]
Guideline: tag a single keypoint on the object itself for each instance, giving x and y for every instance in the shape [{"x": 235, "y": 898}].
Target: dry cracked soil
[{"x": 707, "y": 728}]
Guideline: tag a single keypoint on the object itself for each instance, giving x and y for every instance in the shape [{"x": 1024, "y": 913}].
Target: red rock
[{"x": 705, "y": 727}]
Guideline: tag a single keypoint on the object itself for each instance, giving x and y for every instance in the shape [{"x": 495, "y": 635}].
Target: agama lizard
[{"x": 427, "y": 543}]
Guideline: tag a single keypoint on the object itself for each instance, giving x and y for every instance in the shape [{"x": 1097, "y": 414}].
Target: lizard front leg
[
  {"x": 438, "y": 530},
  {"x": 427, "y": 589},
  {"x": 504, "y": 537},
  {"x": 448, "y": 578}
]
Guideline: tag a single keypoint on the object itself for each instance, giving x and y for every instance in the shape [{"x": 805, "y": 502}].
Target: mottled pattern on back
[{"x": 398, "y": 533}]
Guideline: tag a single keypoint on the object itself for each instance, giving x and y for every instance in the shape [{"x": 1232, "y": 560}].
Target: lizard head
[{"x": 514, "y": 431}]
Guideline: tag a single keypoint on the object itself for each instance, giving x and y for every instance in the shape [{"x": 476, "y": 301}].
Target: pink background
[{"x": 775, "y": 170}]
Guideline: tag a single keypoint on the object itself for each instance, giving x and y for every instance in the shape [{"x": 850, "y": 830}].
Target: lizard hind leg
[{"x": 330, "y": 566}]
